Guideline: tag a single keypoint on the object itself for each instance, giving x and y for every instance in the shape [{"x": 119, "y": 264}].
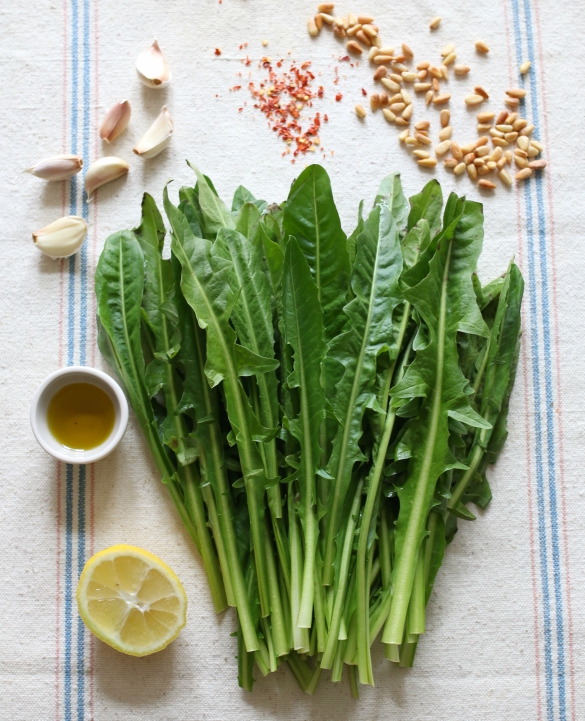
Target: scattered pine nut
[
  {"x": 537, "y": 164},
  {"x": 501, "y": 163},
  {"x": 450, "y": 59},
  {"x": 442, "y": 148},
  {"x": 481, "y": 91},
  {"x": 532, "y": 152},
  {"x": 351, "y": 20},
  {"x": 482, "y": 127},
  {"x": 397, "y": 78},
  {"x": 402, "y": 121},
  {"x": 511, "y": 118},
  {"x": 423, "y": 125},
  {"x": 508, "y": 155},
  {"x": 516, "y": 92},
  {"x": 481, "y": 47},
  {"x": 341, "y": 22},
  {"x": 397, "y": 107},
  {"x": 485, "y": 117},
  {"x": 381, "y": 72},
  {"x": 407, "y": 52},
  {"x": 525, "y": 67},
  {"x": 399, "y": 66},
  {"x": 318, "y": 22},
  {"x": 382, "y": 59},
  {"x": 421, "y": 154},
  {"x": 353, "y": 30},
  {"x": 472, "y": 171},
  {"x": 407, "y": 112},
  {"x": 372, "y": 52},
  {"x": 491, "y": 164},
  {"x": 487, "y": 184},
  {"x": 456, "y": 151},
  {"x": 340, "y": 32},
  {"x": 411, "y": 141},
  {"x": 329, "y": 19},
  {"x": 365, "y": 19},
  {"x": 512, "y": 102},
  {"x": 502, "y": 117},
  {"x": 406, "y": 96},
  {"x": 427, "y": 162},
  {"x": 354, "y": 47},
  {"x": 422, "y": 74},
  {"x": 435, "y": 22},
  {"x": 484, "y": 140},
  {"x": 359, "y": 111},
  {"x": 421, "y": 87},
  {"x": 523, "y": 174},
  {"x": 423, "y": 139},
  {"x": 403, "y": 135},
  {"x": 527, "y": 129},
  {"x": 441, "y": 99},
  {"x": 520, "y": 123},
  {"x": 446, "y": 133},
  {"x": 429, "y": 97},
  {"x": 444, "y": 72},
  {"x": 396, "y": 98},
  {"x": 312, "y": 28},
  {"x": 391, "y": 85},
  {"x": 409, "y": 77},
  {"x": 474, "y": 99},
  {"x": 326, "y": 7},
  {"x": 436, "y": 73},
  {"x": 374, "y": 101},
  {"x": 505, "y": 177},
  {"x": 520, "y": 153},
  {"x": 369, "y": 30},
  {"x": 387, "y": 51},
  {"x": 363, "y": 38},
  {"x": 500, "y": 141},
  {"x": 383, "y": 99},
  {"x": 495, "y": 133},
  {"x": 450, "y": 163},
  {"x": 511, "y": 137},
  {"x": 447, "y": 50},
  {"x": 469, "y": 158},
  {"x": 537, "y": 145},
  {"x": 389, "y": 115},
  {"x": 482, "y": 151},
  {"x": 461, "y": 69},
  {"x": 445, "y": 117},
  {"x": 424, "y": 65},
  {"x": 496, "y": 154},
  {"x": 504, "y": 128},
  {"x": 521, "y": 162},
  {"x": 459, "y": 168}
]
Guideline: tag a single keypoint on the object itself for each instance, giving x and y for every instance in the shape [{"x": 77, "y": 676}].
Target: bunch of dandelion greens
[{"x": 320, "y": 407}]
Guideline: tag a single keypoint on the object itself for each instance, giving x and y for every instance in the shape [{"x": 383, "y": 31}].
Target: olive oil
[{"x": 81, "y": 416}]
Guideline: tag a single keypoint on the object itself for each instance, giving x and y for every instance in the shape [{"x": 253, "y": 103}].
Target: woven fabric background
[{"x": 506, "y": 622}]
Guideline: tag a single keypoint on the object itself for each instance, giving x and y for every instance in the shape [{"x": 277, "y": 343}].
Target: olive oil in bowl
[{"x": 81, "y": 416}]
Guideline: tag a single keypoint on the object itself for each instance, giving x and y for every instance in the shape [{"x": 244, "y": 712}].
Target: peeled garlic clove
[
  {"x": 58, "y": 167},
  {"x": 61, "y": 238},
  {"x": 157, "y": 137},
  {"x": 115, "y": 121},
  {"x": 103, "y": 171},
  {"x": 152, "y": 67}
]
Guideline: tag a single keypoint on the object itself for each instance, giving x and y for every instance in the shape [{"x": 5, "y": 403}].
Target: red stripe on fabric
[
  {"x": 525, "y": 373},
  {"x": 559, "y": 403}
]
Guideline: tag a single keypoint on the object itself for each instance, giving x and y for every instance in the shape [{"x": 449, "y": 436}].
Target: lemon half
[{"x": 131, "y": 600}]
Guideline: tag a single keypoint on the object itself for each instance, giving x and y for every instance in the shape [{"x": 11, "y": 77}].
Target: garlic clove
[
  {"x": 152, "y": 67},
  {"x": 58, "y": 167},
  {"x": 61, "y": 238},
  {"x": 115, "y": 121},
  {"x": 157, "y": 137},
  {"x": 103, "y": 171}
]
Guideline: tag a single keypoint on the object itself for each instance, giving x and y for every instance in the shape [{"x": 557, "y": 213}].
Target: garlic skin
[
  {"x": 157, "y": 137},
  {"x": 103, "y": 171},
  {"x": 115, "y": 121},
  {"x": 62, "y": 238},
  {"x": 57, "y": 167},
  {"x": 152, "y": 67}
]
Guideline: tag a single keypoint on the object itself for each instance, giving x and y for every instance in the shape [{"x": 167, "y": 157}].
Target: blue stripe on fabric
[
  {"x": 548, "y": 376},
  {"x": 68, "y": 586},
  {"x": 548, "y": 394}
]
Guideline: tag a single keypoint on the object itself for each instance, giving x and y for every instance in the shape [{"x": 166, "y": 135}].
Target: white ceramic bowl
[{"x": 54, "y": 383}]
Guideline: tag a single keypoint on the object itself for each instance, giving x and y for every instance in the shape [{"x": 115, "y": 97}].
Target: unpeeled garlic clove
[
  {"x": 157, "y": 137},
  {"x": 61, "y": 238},
  {"x": 103, "y": 171},
  {"x": 58, "y": 167},
  {"x": 115, "y": 121},
  {"x": 152, "y": 67}
]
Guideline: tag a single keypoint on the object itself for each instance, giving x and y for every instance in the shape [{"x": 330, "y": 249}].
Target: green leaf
[
  {"x": 215, "y": 214},
  {"x": 427, "y": 205},
  {"x": 311, "y": 217},
  {"x": 390, "y": 192},
  {"x": 243, "y": 196}
]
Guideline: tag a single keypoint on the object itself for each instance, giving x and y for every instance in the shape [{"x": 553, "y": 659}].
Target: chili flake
[
  {"x": 338, "y": 97},
  {"x": 217, "y": 51}
]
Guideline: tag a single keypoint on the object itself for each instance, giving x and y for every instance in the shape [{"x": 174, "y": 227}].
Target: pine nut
[
  {"x": 537, "y": 145},
  {"x": 511, "y": 137},
  {"x": 389, "y": 115},
  {"x": 391, "y": 85},
  {"x": 459, "y": 168},
  {"x": 481, "y": 47},
  {"x": 501, "y": 163},
  {"x": 363, "y": 38},
  {"x": 409, "y": 77},
  {"x": 365, "y": 19},
  {"x": 429, "y": 97},
  {"x": 508, "y": 155},
  {"x": 341, "y": 22},
  {"x": 486, "y": 117},
  {"x": 383, "y": 99},
  {"x": 369, "y": 30},
  {"x": 424, "y": 65},
  {"x": 353, "y": 30},
  {"x": 487, "y": 184},
  {"x": 446, "y": 133},
  {"x": 481, "y": 91},
  {"x": 461, "y": 69},
  {"x": 403, "y": 136},
  {"x": 474, "y": 99},
  {"x": 505, "y": 177},
  {"x": 427, "y": 162},
  {"x": 399, "y": 66},
  {"x": 381, "y": 72},
  {"x": 374, "y": 101},
  {"x": 441, "y": 99},
  {"x": 411, "y": 141},
  {"x": 312, "y": 28},
  {"x": 397, "y": 98},
  {"x": 523, "y": 174},
  {"x": 424, "y": 132},
  {"x": 516, "y": 92},
  {"x": 327, "y": 18},
  {"x": 525, "y": 67},
  {"x": 468, "y": 158},
  {"x": 340, "y": 32},
  {"x": 532, "y": 152},
  {"x": 472, "y": 172},
  {"x": 442, "y": 148},
  {"x": 318, "y": 22},
  {"x": 326, "y": 7},
  {"x": 402, "y": 121},
  {"x": 397, "y": 78},
  {"x": 447, "y": 50},
  {"x": 521, "y": 162},
  {"x": 527, "y": 129},
  {"x": 511, "y": 118},
  {"x": 444, "y": 72},
  {"x": 468, "y": 148},
  {"x": 435, "y": 22},
  {"x": 423, "y": 125},
  {"x": 422, "y": 74},
  {"x": 435, "y": 72},
  {"x": 372, "y": 52},
  {"x": 406, "y": 96},
  {"x": 482, "y": 151},
  {"x": 351, "y": 20},
  {"x": 354, "y": 47},
  {"x": 387, "y": 51},
  {"x": 520, "y": 123},
  {"x": 445, "y": 117},
  {"x": 518, "y": 152},
  {"x": 491, "y": 164},
  {"x": 496, "y": 154},
  {"x": 450, "y": 59},
  {"x": 484, "y": 140},
  {"x": 382, "y": 59},
  {"x": 537, "y": 164},
  {"x": 483, "y": 127},
  {"x": 456, "y": 151},
  {"x": 359, "y": 111},
  {"x": 423, "y": 139},
  {"x": 505, "y": 128},
  {"x": 407, "y": 112},
  {"x": 512, "y": 102},
  {"x": 450, "y": 163},
  {"x": 500, "y": 141},
  {"x": 421, "y": 154},
  {"x": 421, "y": 87},
  {"x": 495, "y": 133},
  {"x": 397, "y": 107},
  {"x": 407, "y": 52},
  {"x": 502, "y": 117}
]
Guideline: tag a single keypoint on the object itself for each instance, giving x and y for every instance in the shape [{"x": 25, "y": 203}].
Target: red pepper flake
[
  {"x": 338, "y": 97},
  {"x": 236, "y": 87},
  {"x": 364, "y": 91},
  {"x": 344, "y": 59},
  {"x": 282, "y": 97},
  {"x": 217, "y": 51},
  {"x": 325, "y": 119},
  {"x": 240, "y": 110}
]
